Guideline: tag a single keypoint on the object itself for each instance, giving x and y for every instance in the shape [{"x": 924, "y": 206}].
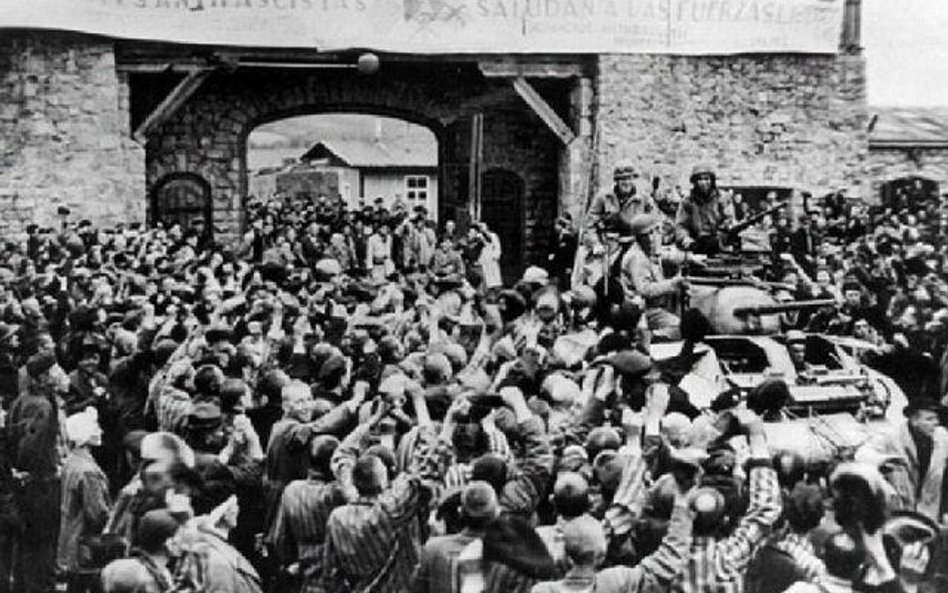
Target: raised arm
[
  {"x": 525, "y": 491},
  {"x": 764, "y": 509}
]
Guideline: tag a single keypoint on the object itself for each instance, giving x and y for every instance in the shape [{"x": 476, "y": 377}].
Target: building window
[{"x": 416, "y": 187}]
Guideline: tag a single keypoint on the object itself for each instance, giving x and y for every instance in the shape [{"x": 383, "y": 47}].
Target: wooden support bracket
[
  {"x": 171, "y": 103},
  {"x": 538, "y": 104}
]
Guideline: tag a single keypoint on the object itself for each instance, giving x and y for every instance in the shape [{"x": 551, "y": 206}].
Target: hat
[
  {"x": 514, "y": 304},
  {"x": 630, "y": 363},
  {"x": 81, "y": 426},
  {"x": 393, "y": 385},
  {"x": 645, "y": 223},
  {"x": 624, "y": 170},
  {"x": 548, "y": 300},
  {"x": 478, "y": 500},
  {"x": 154, "y": 529},
  {"x": 218, "y": 333},
  {"x": 909, "y": 527},
  {"x": 561, "y": 389},
  {"x": 204, "y": 415},
  {"x": 8, "y": 330},
  {"x": 795, "y": 335},
  {"x": 573, "y": 458},
  {"x": 39, "y": 363},
  {"x": 327, "y": 268},
  {"x": 535, "y": 275},
  {"x": 923, "y": 402},
  {"x": 582, "y": 297},
  {"x": 334, "y": 364}
]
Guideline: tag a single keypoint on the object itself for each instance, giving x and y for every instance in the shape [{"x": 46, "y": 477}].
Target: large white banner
[{"x": 455, "y": 26}]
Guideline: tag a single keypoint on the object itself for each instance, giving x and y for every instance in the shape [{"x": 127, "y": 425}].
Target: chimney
[{"x": 378, "y": 130}]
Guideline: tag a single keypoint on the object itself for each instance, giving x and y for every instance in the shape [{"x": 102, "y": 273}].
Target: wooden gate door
[{"x": 502, "y": 210}]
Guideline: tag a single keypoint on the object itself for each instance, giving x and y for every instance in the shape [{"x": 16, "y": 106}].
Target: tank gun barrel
[
  {"x": 722, "y": 282},
  {"x": 784, "y": 307}
]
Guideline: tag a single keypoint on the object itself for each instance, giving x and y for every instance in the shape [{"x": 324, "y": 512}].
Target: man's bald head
[
  {"x": 584, "y": 540},
  {"x": 125, "y": 575}
]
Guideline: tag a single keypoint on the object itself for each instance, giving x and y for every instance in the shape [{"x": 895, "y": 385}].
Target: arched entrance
[
  {"x": 906, "y": 191},
  {"x": 182, "y": 198},
  {"x": 502, "y": 210}
]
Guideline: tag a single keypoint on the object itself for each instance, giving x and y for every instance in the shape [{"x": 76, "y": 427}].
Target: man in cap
[
  {"x": 85, "y": 495},
  {"x": 703, "y": 213},
  {"x": 618, "y": 207},
  {"x": 796, "y": 348},
  {"x": 642, "y": 275},
  {"x": 914, "y": 455},
  {"x": 34, "y": 432},
  {"x": 716, "y": 561}
]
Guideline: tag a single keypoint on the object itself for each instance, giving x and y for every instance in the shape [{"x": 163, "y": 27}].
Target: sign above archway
[{"x": 686, "y": 27}]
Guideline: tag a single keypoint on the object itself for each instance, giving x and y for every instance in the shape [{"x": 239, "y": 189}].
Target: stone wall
[
  {"x": 887, "y": 164},
  {"x": 782, "y": 120},
  {"x": 64, "y": 133}
]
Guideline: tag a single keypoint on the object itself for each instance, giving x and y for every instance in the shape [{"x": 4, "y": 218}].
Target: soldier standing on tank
[
  {"x": 617, "y": 208},
  {"x": 610, "y": 212},
  {"x": 642, "y": 275},
  {"x": 703, "y": 214}
]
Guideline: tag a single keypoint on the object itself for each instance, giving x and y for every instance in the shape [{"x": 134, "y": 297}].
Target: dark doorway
[
  {"x": 502, "y": 210},
  {"x": 909, "y": 191},
  {"x": 754, "y": 199},
  {"x": 181, "y": 198}
]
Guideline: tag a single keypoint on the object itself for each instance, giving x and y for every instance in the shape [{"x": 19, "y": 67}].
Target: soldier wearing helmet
[
  {"x": 642, "y": 275},
  {"x": 703, "y": 213},
  {"x": 615, "y": 210}
]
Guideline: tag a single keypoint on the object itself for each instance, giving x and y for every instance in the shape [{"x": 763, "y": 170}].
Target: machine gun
[{"x": 734, "y": 230}]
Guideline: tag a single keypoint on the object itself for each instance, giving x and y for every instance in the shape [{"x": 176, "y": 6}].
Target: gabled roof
[
  {"x": 370, "y": 154},
  {"x": 908, "y": 127}
]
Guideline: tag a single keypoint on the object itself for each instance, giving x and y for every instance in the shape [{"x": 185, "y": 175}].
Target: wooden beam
[
  {"x": 159, "y": 67},
  {"x": 538, "y": 104},
  {"x": 481, "y": 103},
  {"x": 512, "y": 67},
  {"x": 170, "y": 104}
]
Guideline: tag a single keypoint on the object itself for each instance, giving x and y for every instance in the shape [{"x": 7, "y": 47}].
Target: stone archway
[{"x": 207, "y": 135}]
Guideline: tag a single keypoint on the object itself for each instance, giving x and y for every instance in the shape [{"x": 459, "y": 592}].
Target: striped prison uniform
[
  {"x": 299, "y": 528},
  {"x": 719, "y": 565},
  {"x": 372, "y": 544}
]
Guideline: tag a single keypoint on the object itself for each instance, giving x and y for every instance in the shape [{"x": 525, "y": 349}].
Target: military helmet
[
  {"x": 702, "y": 169},
  {"x": 643, "y": 224},
  {"x": 624, "y": 170}
]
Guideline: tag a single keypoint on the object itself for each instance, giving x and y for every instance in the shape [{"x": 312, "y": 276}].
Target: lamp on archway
[{"x": 368, "y": 63}]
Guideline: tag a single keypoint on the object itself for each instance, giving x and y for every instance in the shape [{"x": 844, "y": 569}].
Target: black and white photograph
[{"x": 473, "y": 296}]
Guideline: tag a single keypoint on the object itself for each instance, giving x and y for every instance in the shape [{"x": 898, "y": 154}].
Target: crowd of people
[{"x": 355, "y": 401}]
